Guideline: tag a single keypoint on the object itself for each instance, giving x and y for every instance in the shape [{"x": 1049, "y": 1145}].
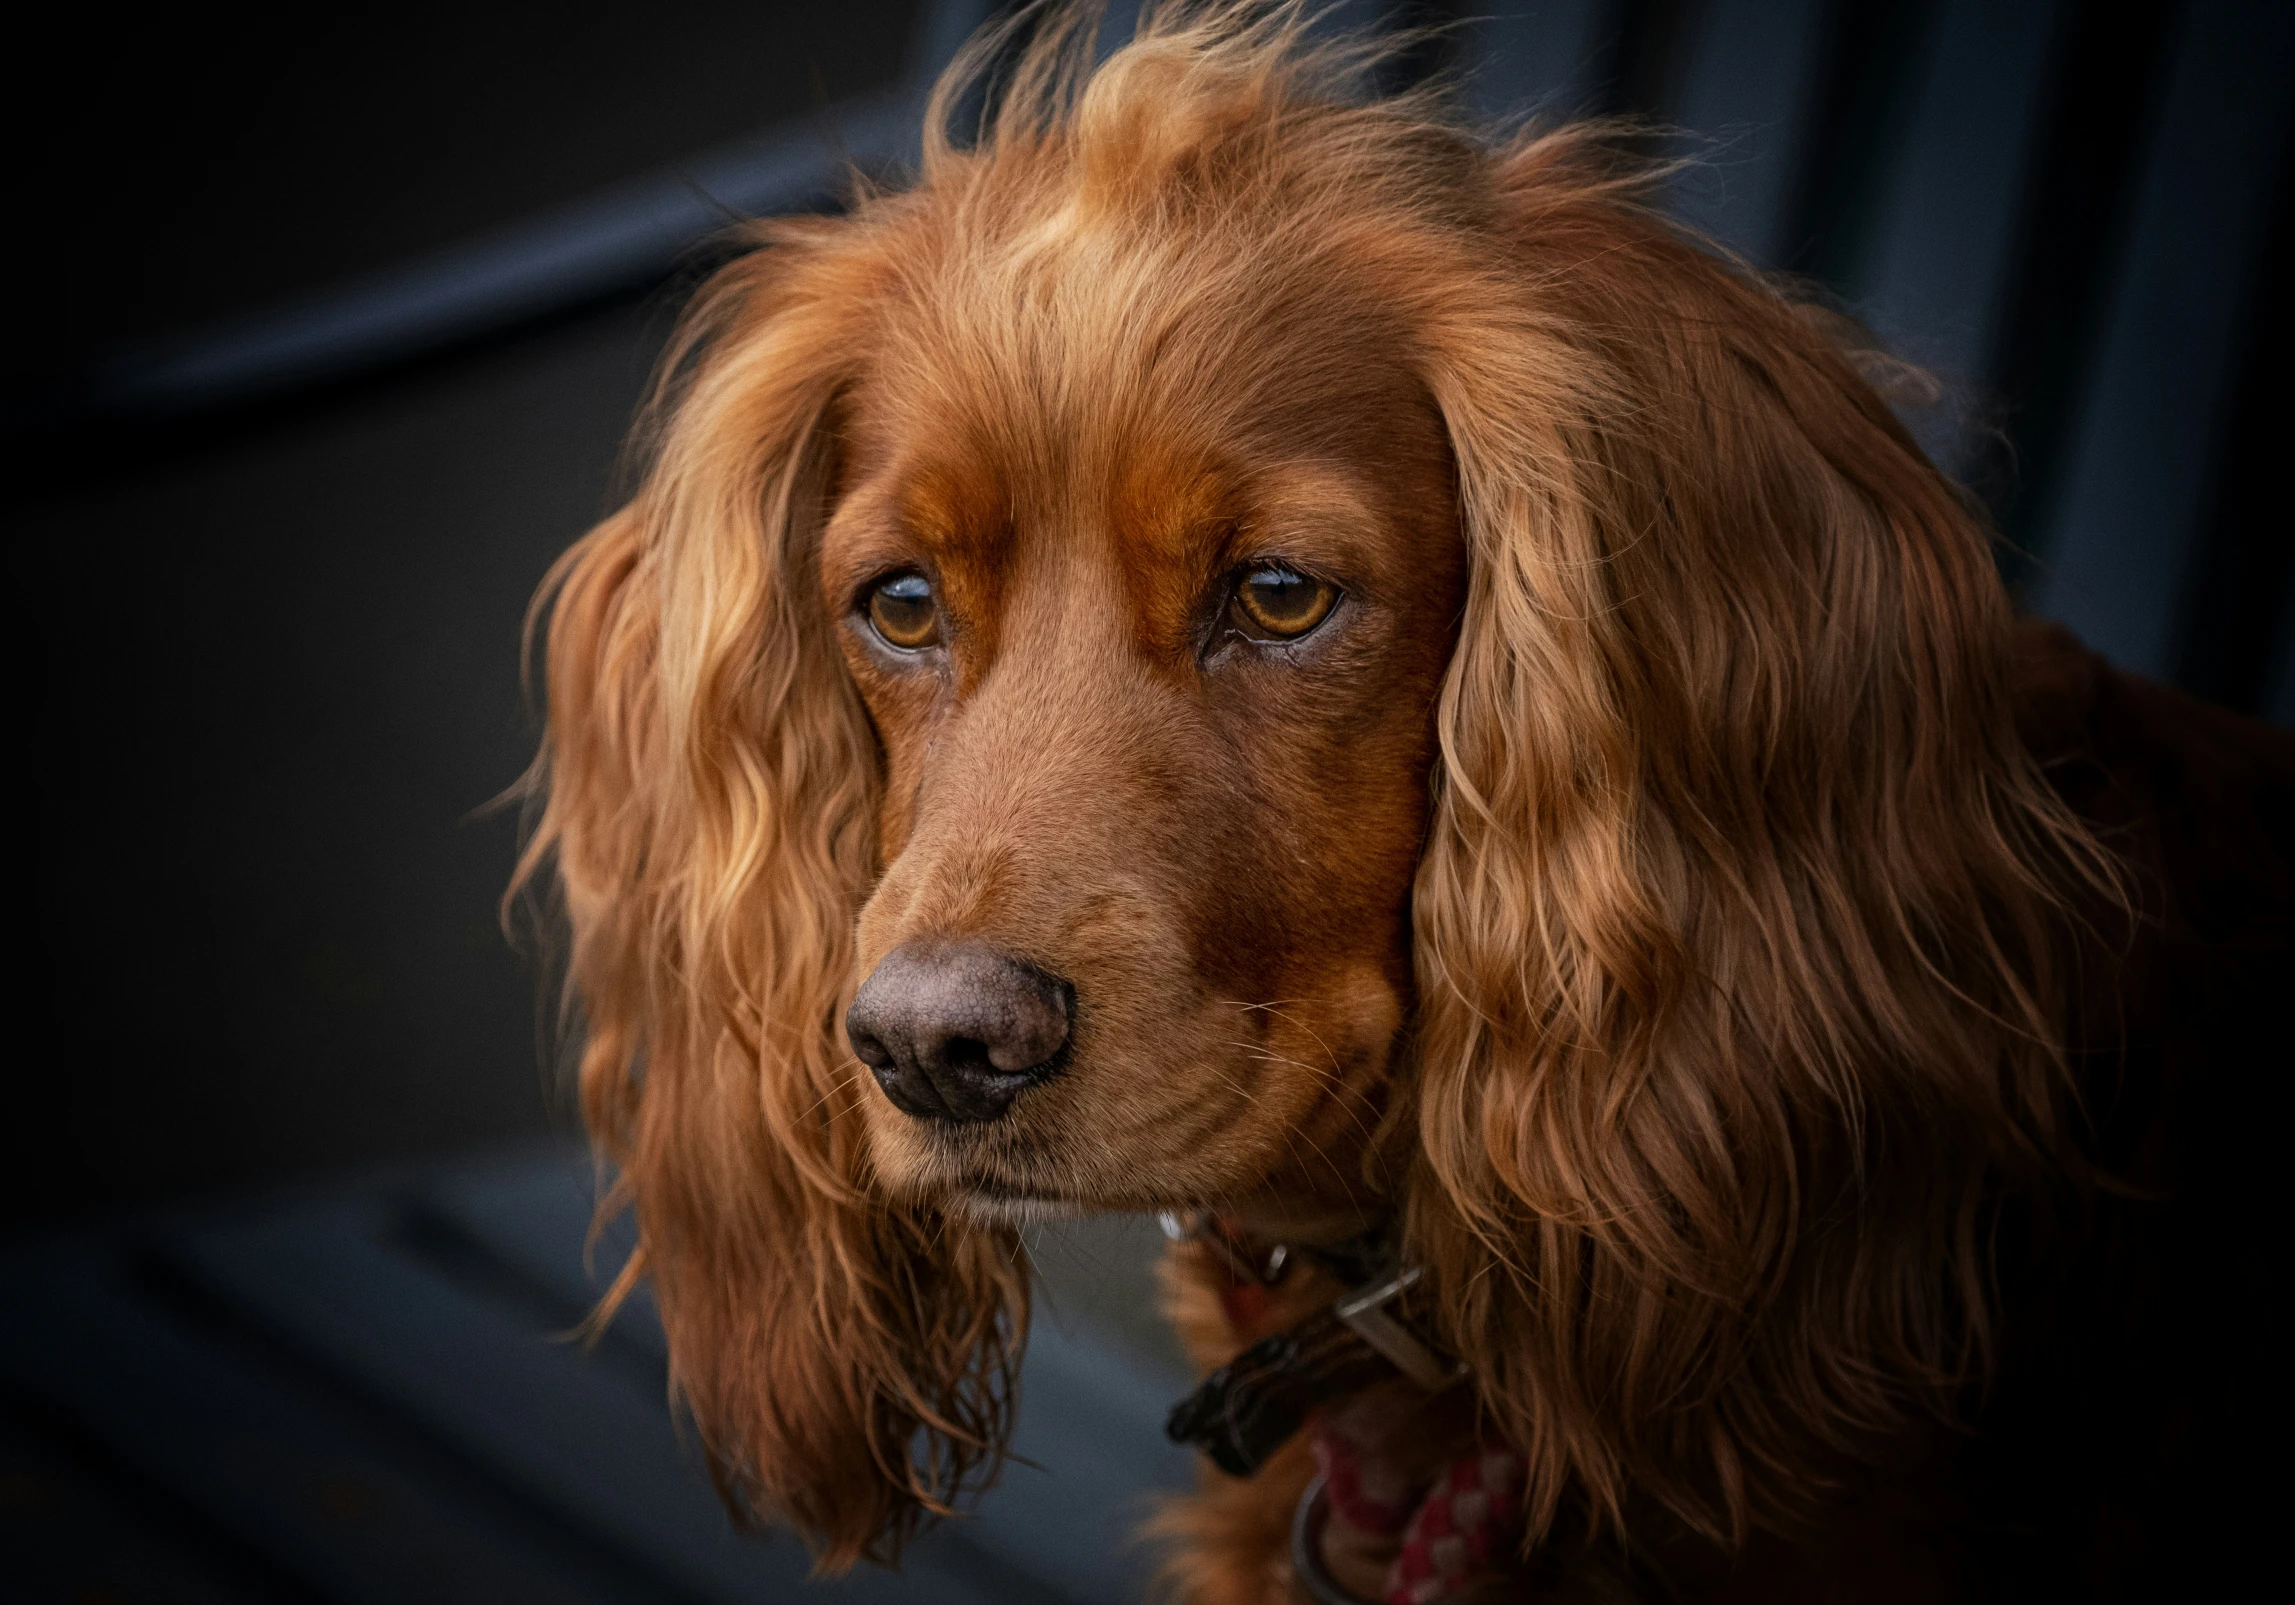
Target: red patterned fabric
[
  {"x": 1457, "y": 1526},
  {"x": 1450, "y": 1527}
]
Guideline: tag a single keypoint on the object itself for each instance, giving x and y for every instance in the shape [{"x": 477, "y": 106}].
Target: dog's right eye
[
  {"x": 904, "y": 612},
  {"x": 1275, "y": 602}
]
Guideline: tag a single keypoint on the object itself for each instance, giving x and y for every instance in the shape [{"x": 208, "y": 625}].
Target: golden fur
[{"x": 1659, "y": 909}]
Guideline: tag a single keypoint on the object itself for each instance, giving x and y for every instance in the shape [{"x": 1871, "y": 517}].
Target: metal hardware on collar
[
  {"x": 1365, "y": 1311},
  {"x": 1250, "y": 1407},
  {"x": 1257, "y": 1402},
  {"x": 1267, "y": 1268},
  {"x": 1307, "y": 1524}
]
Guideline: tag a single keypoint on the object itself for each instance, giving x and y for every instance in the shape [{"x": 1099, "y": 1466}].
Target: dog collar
[
  {"x": 1307, "y": 1524},
  {"x": 1257, "y": 1402}
]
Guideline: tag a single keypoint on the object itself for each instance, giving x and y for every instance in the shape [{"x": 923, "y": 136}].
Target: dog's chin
[
  {"x": 984, "y": 1190},
  {"x": 958, "y": 1177},
  {"x": 1019, "y": 1171},
  {"x": 995, "y": 1204},
  {"x": 992, "y": 1195}
]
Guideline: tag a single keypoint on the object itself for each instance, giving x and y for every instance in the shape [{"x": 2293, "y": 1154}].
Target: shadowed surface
[{"x": 374, "y": 1392}]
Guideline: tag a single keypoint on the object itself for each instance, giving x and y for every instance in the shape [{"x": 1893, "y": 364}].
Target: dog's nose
[{"x": 954, "y": 1030}]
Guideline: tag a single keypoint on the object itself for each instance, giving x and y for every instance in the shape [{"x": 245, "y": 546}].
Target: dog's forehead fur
[
  {"x": 1102, "y": 367},
  {"x": 1050, "y": 434}
]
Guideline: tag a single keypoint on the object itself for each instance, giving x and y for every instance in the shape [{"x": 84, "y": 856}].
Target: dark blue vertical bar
[
  {"x": 1933, "y": 285},
  {"x": 1749, "y": 88},
  {"x": 1545, "y": 56},
  {"x": 2147, "y": 433}
]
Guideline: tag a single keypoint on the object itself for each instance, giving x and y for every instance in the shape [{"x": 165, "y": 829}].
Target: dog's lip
[
  {"x": 1005, "y": 1190},
  {"x": 997, "y": 1198}
]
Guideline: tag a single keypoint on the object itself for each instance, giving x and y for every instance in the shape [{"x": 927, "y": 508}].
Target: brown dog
[{"x": 1236, "y": 649}]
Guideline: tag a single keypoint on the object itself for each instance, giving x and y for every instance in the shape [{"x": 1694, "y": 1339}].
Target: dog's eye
[
  {"x": 1275, "y": 602},
  {"x": 902, "y": 610}
]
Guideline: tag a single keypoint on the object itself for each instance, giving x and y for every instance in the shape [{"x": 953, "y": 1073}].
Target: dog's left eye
[
  {"x": 1275, "y": 602},
  {"x": 904, "y": 612}
]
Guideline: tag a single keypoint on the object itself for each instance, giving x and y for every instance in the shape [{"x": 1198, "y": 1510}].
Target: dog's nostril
[
  {"x": 962, "y": 1053},
  {"x": 957, "y": 1030}
]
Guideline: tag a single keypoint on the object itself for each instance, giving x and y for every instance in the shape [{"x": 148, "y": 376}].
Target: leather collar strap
[{"x": 1257, "y": 1402}]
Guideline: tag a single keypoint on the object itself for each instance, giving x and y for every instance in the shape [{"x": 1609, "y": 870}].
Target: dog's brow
[
  {"x": 953, "y": 512},
  {"x": 1314, "y": 512}
]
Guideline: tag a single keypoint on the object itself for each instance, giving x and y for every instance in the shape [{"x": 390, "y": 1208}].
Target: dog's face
[{"x": 1151, "y": 642}]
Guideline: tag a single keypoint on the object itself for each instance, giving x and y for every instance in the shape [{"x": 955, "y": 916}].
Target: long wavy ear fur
[
  {"x": 711, "y": 783},
  {"x": 1738, "y": 926}
]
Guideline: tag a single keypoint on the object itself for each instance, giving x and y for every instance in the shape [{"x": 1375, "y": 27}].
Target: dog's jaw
[{"x": 992, "y": 1206}]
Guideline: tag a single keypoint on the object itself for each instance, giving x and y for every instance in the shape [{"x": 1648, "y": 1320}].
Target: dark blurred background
[
  {"x": 330, "y": 324},
  {"x": 272, "y": 619},
  {"x": 272, "y": 609}
]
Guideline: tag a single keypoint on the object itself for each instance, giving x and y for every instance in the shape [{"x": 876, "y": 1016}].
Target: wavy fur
[
  {"x": 1738, "y": 926},
  {"x": 711, "y": 788}
]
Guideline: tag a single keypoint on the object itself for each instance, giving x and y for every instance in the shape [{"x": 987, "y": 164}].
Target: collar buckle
[
  {"x": 1365, "y": 1310},
  {"x": 1251, "y": 1406}
]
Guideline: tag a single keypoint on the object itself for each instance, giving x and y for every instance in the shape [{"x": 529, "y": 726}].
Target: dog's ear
[
  {"x": 711, "y": 784},
  {"x": 1735, "y": 926}
]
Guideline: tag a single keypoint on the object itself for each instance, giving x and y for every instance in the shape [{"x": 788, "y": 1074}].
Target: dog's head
[
  {"x": 1141, "y": 553},
  {"x": 1234, "y": 645}
]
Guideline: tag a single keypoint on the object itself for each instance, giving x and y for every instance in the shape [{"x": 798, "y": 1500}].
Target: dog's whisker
[
  {"x": 1328, "y": 1051},
  {"x": 1348, "y": 1098},
  {"x": 1291, "y": 1133}
]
